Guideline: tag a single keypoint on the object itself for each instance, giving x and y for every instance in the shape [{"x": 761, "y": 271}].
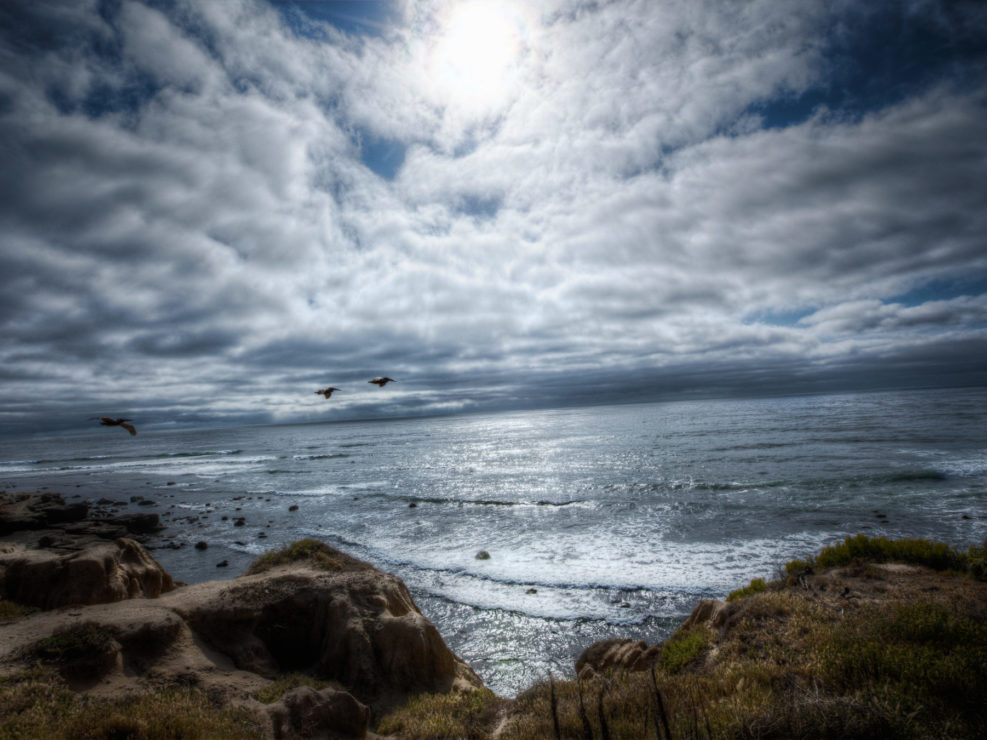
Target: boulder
[
  {"x": 98, "y": 574},
  {"x": 713, "y": 613},
  {"x": 304, "y": 713}
]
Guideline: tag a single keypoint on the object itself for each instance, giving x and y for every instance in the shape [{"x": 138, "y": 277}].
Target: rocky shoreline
[
  {"x": 311, "y": 642},
  {"x": 337, "y": 617}
]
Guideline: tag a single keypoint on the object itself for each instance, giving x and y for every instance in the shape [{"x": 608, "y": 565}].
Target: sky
[{"x": 210, "y": 209}]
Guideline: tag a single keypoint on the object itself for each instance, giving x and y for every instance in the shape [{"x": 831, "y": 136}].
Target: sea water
[{"x": 599, "y": 522}]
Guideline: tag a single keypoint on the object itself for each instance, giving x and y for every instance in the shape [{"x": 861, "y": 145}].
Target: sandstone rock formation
[
  {"x": 102, "y": 573},
  {"x": 353, "y": 626}
]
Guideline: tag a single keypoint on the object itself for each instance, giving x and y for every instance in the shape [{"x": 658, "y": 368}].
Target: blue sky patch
[
  {"x": 382, "y": 156},
  {"x": 353, "y": 17}
]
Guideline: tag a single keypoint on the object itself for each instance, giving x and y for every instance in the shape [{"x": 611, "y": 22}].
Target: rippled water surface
[{"x": 599, "y": 522}]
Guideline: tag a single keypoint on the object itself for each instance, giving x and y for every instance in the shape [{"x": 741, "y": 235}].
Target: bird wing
[{"x": 129, "y": 428}]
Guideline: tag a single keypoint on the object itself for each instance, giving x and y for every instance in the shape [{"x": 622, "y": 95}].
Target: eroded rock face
[
  {"x": 357, "y": 626},
  {"x": 99, "y": 574}
]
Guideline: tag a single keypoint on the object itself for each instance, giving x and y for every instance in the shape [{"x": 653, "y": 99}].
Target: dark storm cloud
[{"x": 207, "y": 210}]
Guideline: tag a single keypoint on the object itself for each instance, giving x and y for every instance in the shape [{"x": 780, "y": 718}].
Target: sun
[{"x": 474, "y": 60}]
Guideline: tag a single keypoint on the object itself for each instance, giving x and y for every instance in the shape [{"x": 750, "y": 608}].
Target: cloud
[{"x": 681, "y": 196}]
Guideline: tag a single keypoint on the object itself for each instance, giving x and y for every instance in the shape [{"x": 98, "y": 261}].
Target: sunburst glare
[{"x": 474, "y": 60}]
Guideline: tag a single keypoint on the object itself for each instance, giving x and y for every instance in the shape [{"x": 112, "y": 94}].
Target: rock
[
  {"x": 354, "y": 625},
  {"x": 482, "y": 555},
  {"x": 712, "y": 613},
  {"x": 304, "y": 712},
  {"x": 621, "y": 654},
  {"x": 101, "y": 573},
  {"x": 31, "y": 511}
]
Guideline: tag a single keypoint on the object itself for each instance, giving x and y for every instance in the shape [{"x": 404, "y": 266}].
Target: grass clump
[
  {"x": 934, "y": 555},
  {"x": 81, "y": 652},
  {"x": 756, "y": 586},
  {"x": 683, "y": 648},
  {"x": 309, "y": 551},
  {"x": 469, "y": 714},
  {"x": 11, "y": 610}
]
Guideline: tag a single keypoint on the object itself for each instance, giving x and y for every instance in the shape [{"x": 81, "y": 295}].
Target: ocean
[{"x": 607, "y": 521}]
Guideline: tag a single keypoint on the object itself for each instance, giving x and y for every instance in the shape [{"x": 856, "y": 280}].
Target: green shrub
[
  {"x": 314, "y": 552},
  {"x": 934, "y": 555},
  {"x": 683, "y": 648},
  {"x": 756, "y": 586}
]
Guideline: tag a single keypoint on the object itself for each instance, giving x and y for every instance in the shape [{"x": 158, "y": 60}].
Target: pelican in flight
[
  {"x": 325, "y": 392},
  {"x": 382, "y": 381},
  {"x": 106, "y": 421}
]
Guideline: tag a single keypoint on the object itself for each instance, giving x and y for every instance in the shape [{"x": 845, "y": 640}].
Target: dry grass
[
  {"x": 37, "y": 704},
  {"x": 468, "y": 715},
  {"x": 878, "y": 654},
  {"x": 308, "y": 551},
  {"x": 273, "y": 692},
  {"x": 10, "y": 610}
]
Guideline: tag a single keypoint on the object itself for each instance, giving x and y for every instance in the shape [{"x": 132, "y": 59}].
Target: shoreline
[{"x": 769, "y": 647}]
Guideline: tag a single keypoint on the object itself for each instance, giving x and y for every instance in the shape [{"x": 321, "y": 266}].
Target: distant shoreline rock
[{"x": 46, "y": 520}]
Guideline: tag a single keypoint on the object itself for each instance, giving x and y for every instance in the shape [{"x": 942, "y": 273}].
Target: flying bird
[
  {"x": 325, "y": 391},
  {"x": 106, "y": 421},
  {"x": 382, "y": 381}
]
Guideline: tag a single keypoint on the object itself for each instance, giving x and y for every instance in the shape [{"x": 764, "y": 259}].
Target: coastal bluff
[{"x": 106, "y": 621}]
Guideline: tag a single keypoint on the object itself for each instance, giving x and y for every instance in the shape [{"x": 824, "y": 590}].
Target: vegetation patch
[
  {"x": 37, "y": 703},
  {"x": 683, "y": 648},
  {"x": 756, "y": 586},
  {"x": 309, "y": 551},
  {"x": 82, "y": 652},
  {"x": 924, "y": 658},
  {"x": 934, "y": 555},
  {"x": 466, "y": 714},
  {"x": 10, "y": 610}
]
